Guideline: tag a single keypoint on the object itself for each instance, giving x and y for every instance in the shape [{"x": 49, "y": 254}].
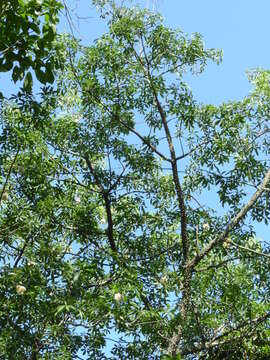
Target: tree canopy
[{"x": 111, "y": 245}]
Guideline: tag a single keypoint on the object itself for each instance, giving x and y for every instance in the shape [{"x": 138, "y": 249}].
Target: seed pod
[
  {"x": 118, "y": 297},
  {"x": 206, "y": 226},
  {"x": 31, "y": 263},
  {"x": 20, "y": 289},
  {"x": 163, "y": 280}
]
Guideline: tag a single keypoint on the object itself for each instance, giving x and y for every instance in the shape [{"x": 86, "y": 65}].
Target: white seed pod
[
  {"x": 206, "y": 226},
  {"x": 31, "y": 263},
  {"x": 226, "y": 243},
  {"x": 163, "y": 280},
  {"x": 20, "y": 289},
  {"x": 118, "y": 297}
]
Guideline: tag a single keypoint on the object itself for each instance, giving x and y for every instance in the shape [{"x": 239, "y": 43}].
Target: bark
[{"x": 105, "y": 195}]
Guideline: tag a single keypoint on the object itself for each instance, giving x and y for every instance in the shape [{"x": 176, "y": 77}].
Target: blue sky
[{"x": 239, "y": 27}]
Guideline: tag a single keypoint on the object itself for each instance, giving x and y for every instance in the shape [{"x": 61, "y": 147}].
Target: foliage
[
  {"x": 110, "y": 237},
  {"x": 27, "y": 33}
]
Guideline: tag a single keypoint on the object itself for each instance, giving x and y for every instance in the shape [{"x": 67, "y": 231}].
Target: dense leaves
[
  {"x": 27, "y": 33},
  {"x": 111, "y": 245}
]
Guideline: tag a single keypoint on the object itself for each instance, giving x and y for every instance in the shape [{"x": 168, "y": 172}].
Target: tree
[
  {"x": 27, "y": 34},
  {"x": 107, "y": 239}
]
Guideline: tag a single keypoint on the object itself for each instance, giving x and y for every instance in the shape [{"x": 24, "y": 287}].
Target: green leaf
[
  {"x": 6, "y": 66},
  {"x": 41, "y": 75},
  {"x": 17, "y": 74},
  {"x": 28, "y": 82},
  {"x": 34, "y": 27}
]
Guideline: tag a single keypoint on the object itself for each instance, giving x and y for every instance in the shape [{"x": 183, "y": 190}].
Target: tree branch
[
  {"x": 173, "y": 159},
  {"x": 235, "y": 221},
  {"x": 248, "y": 249},
  {"x": 192, "y": 150},
  {"x": 152, "y": 147},
  {"x": 185, "y": 300},
  {"x": 105, "y": 195},
  {"x": 217, "y": 340}
]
